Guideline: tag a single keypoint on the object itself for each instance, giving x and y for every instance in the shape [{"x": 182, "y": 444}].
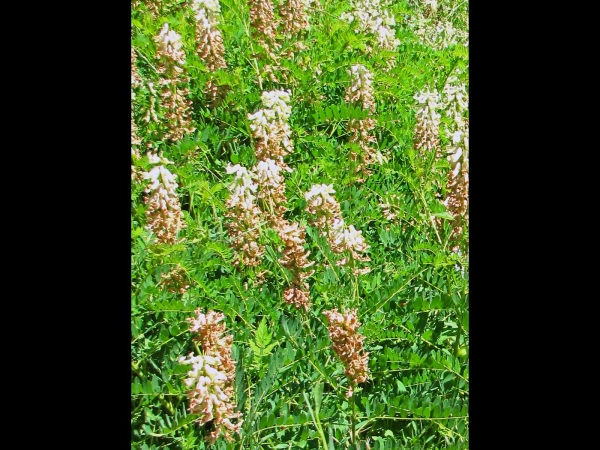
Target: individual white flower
[
  {"x": 267, "y": 173},
  {"x": 457, "y": 136},
  {"x": 319, "y": 189},
  {"x": 379, "y": 157},
  {"x": 277, "y": 101},
  {"x": 454, "y": 157}
]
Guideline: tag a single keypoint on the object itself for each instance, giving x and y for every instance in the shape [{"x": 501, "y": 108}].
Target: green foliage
[{"x": 414, "y": 302}]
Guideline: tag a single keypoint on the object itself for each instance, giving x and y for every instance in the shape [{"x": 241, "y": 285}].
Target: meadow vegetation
[{"x": 299, "y": 224}]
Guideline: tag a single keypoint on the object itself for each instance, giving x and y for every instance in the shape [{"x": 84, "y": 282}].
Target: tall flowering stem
[
  {"x": 271, "y": 133},
  {"x": 136, "y": 81},
  {"x": 270, "y": 128},
  {"x": 174, "y": 92},
  {"x": 427, "y": 128},
  {"x": 294, "y": 17},
  {"x": 347, "y": 343},
  {"x": 244, "y": 217},
  {"x": 209, "y": 42},
  {"x": 372, "y": 18},
  {"x": 212, "y": 377},
  {"x": 295, "y": 259},
  {"x": 457, "y": 188},
  {"x": 455, "y": 104},
  {"x": 360, "y": 93},
  {"x": 264, "y": 26},
  {"x": 163, "y": 207},
  {"x": 341, "y": 237}
]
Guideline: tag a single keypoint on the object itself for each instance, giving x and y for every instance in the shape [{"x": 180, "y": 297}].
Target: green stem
[{"x": 353, "y": 436}]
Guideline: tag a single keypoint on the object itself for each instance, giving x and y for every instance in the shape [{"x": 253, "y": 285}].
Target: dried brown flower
[
  {"x": 264, "y": 26},
  {"x": 163, "y": 207},
  {"x": 209, "y": 43},
  {"x": 360, "y": 93},
  {"x": 329, "y": 219},
  {"x": 170, "y": 65},
  {"x": 347, "y": 343},
  {"x": 175, "y": 280},
  {"x": 244, "y": 217},
  {"x": 212, "y": 377},
  {"x": 293, "y": 15},
  {"x": 295, "y": 259}
]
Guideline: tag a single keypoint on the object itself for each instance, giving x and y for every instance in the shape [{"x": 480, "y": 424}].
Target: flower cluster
[
  {"x": 455, "y": 104},
  {"x": 372, "y": 18},
  {"x": 388, "y": 207},
  {"x": 136, "y": 81},
  {"x": 212, "y": 377},
  {"x": 295, "y": 259},
  {"x": 293, "y": 16},
  {"x": 427, "y": 129},
  {"x": 271, "y": 133},
  {"x": 457, "y": 197},
  {"x": 324, "y": 206},
  {"x": 175, "y": 280},
  {"x": 209, "y": 44},
  {"x": 270, "y": 128},
  {"x": 244, "y": 215},
  {"x": 427, "y": 22},
  {"x": 170, "y": 64},
  {"x": 360, "y": 93},
  {"x": 271, "y": 190},
  {"x": 329, "y": 219},
  {"x": 163, "y": 207},
  {"x": 264, "y": 26},
  {"x": 348, "y": 345},
  {"x": 455, "y": 100}
]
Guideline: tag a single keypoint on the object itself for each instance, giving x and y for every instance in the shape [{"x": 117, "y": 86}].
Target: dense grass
[{"x": 413, "y": 304}]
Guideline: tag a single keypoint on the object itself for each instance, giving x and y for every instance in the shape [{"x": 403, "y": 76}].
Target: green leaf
[
  {"x": 318, "y": 393},
  {"x": 164, "y": 334},
  {"x": 444, "y": 215},
  {"x": 401, "y": 387},
  {"x": 262, "y": 335}
]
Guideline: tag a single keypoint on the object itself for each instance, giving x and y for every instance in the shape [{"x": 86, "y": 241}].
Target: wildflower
[
  {"x": 427, "y": 128},
  {"x": 387, "y": 208},
  {"x": 244, "y": 217},
  {"x": 271, "y": 190},
  {"x": 457, "y": 187},
  {"x": 294, "y": 16},
  {"x": 264, "y": 25},
  {"x": 295, "y": 259},
  {"x": 175, "y": 280},
  {"x": 329, "y": 219},
  {"x": 170, "y": 64},
  {"x": 212, "y": 377},
  {"x": 164, "y": 209},
  {"x": 270, "y": 128},
  {"x": 209, "y": 42},
  {"x": 360, "y": 93},
  {"x": 348, "y": 345},
  {"x": 455, "y": 104},
  {"x": 371, "y": 18},
  {"x": 323, "y": 204}
]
